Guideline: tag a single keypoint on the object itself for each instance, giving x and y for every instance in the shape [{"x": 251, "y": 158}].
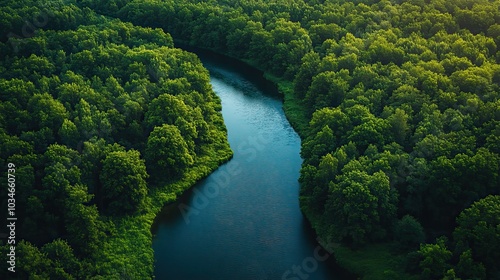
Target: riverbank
[
  {"x": 130, "y": 245},
  {"x": 292, "y": 106},
  {"x": 256, "y": 216},
  {"x": 372, "y": 262}
]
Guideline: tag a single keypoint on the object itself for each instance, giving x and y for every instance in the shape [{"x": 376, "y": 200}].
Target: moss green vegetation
[{"x": 397, "y": 103}]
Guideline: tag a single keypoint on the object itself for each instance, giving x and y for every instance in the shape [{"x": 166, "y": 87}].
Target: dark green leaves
[
  {"x": 167, "y": 152},
  {"x": 123, "y": 180}
]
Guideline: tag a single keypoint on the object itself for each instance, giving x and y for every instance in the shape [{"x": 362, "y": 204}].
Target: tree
[
  {"x": 69, "y": 134},
  {"x": 40, "y": 139},
  {"x": 327, "y": 90},
  {"x": 33, "y": 263},
  {"x": 435, "y": 259},
  {"x": 261, "y": 45},
  {"x": 239, "y": 35},
  {"x": 38, "y": 225},
  {"x": 318, "y": 145},
  {"x": 307, "y": 70},
  {"x": 82, "y": 222},
  {"x": 468, "y": 268},
  {"x": 371, "y": 131},
  {"x": 361, "y": 206},
  {"x": 327, "y": 169},
  {"x": 61, "y": 170},
  {"x": 84, "y": 120},
  {"x": 474, "y": 20},
  {"x": 478, "y": 230},
  {"x": 408, "y": 94},
  {"x": 47, "y": 111},
  {"x": 475, "y": 79},
  {"x": 165, "y": 109},
  {"x": 382, "y": 50},
  {"x": 123, "y": 180},
  {"x": 167, "y": 152},
  {"x": 335, "y": 118},
  {"x": 324, "y": 176},
  {"x": 307, "y": 181},
  {"x": 409, "y": 233},
  {"x": 321, "y": 32},
  {"x": 17, "y": 91},
  {"x": 399, "y": 126},
  {"x": 63, "y": 259}
]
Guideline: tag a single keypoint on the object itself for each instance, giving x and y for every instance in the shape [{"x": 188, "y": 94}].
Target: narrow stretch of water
[{"x": 243, "y": 221}]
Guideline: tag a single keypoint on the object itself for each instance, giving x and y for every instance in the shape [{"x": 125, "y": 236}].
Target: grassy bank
[
  {"x": 373, "y": 262},
  {"x": 293, "y": 106},
  {"x": 128, "y": 251}
]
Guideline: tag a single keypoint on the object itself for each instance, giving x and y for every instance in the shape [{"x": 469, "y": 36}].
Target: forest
[
  {"x": 397, "y": 104},
  {"x": 104, "y": 122}
]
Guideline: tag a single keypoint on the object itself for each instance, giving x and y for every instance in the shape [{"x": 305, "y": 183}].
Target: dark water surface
[{"x": 243, "y": 221}]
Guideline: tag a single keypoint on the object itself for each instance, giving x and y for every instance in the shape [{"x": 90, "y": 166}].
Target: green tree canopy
[
  {"x": 167, "y": 152},
  {"x": 123, "y": 180},
  {"x": 478, "y": 230}
]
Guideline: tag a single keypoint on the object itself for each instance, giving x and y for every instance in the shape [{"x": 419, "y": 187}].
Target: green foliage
[
  {"x": 467, "y": 268},
  {"x": 478, "y": 238},
  {"x": 400, "y": 88},
  {"x": 401, "y": 98},
  {"x": 327, "y": 90},
  {"x": 34, "y": 264},
  {"x": 123, "y": 178},
  {"x": 82, "y": 222},
  {"x": 46, "y": 112},
  {"x": 360, "y": 207},
  {"x": 78, "y": 102},
  {"x": 435, "y": 259},
  {"x": 409, "y": 233},
  {"x": 374, "y": 262},
  {"x": 406, "y": 89},
  {"x": 167, "y": 152},
  {"x": 62, "y": 258},
  {"x": 165, "y": 109}
]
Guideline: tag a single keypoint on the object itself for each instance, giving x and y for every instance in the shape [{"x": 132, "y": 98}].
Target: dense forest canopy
[
  {"x": 402, "y": 99},
  {"x": 399, "y": 111},
  {"x": 95, "y": 114}
]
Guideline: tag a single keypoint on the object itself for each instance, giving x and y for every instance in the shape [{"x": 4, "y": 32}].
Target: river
[{"x": 243, "y": 221}]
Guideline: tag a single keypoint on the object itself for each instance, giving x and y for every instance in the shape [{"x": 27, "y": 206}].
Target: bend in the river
[{"x": 243, "y": 221}]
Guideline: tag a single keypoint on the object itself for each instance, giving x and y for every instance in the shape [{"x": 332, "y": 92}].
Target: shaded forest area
[
  {"x": 397, "y": 103},
  {"x": 105, "y": 122}
]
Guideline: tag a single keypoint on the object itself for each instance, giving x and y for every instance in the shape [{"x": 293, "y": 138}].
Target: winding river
[{"x": 243, "y": 221}]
